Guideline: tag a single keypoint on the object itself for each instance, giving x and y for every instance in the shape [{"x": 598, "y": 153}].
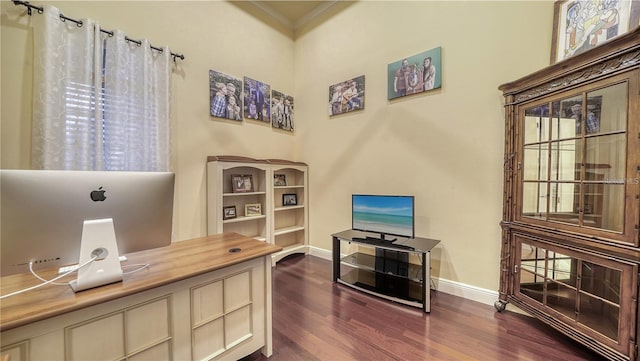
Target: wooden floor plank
[{"x": 316, "y": 319}]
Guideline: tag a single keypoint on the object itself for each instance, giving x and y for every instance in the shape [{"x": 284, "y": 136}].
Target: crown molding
[
  {"x": 273, "y": 13},
  {"x": 317, "y": 11}
]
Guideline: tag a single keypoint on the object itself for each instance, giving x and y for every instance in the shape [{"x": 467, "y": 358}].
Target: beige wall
[
  {"x": 212, "y": 35},
  {"x": 444, "y": 147}
]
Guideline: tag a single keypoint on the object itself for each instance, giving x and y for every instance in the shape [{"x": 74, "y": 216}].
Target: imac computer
[{"x": 45, "y": 215}]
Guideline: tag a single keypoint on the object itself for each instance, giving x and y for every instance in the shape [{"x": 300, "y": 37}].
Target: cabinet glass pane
[
  {"x": 536, "y": 124},
  {"x": 607, "y": 109},
  {"x": 531, "y": 285},
  {"x": 535, "y": 161},
  {"x": 599, "y": 315},
  {"x": 532, "y": 270},
  {"x": 563, "y": 207},
  {"x": 604, "y": 206},
  {"x": 566, "y": 119},
  {"x": 574, "y": 159},
  {"x": 592, "y": 205},
  {"x": 532, "y": 259},
  {"x": 601, "y": 281},
  {"x": 534, "y": 200},
  {"x": 605, "y": 157},
  {"x": 565, "y": 159},
  {"x": 562, "y": 299},
  {"x": 562, "y": 268}
]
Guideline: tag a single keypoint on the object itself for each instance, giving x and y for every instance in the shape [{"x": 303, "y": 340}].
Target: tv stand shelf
[
  {"x": 367, "y": 262},
  {"x": 385, "y": 268}
]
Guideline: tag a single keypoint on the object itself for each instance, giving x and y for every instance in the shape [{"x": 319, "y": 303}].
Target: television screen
[{"x": 393, "y": 215}]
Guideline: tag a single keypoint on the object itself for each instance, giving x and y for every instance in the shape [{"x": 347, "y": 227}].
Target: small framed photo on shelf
[
  {"x": 242, "y": 183},
  {"x": 289, "y": 199},
  {"x": 279, "y": 180},
  {"x": 254, "y": 209},
  {"x": 229, "y": 212}
]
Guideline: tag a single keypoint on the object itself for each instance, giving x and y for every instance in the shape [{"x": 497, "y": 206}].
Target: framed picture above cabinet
[{"x": 581, "y": 25}]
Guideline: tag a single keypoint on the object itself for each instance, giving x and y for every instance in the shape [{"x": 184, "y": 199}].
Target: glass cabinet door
[
  {"x": 585, "y": 291},
  {"x": 573, "y": 167}
]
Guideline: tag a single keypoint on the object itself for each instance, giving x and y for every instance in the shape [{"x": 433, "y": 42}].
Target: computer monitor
[
  {"x": 42, "y": 213},
  {"x": 383, "y": 214}
]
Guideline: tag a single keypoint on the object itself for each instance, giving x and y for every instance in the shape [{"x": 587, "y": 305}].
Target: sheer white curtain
[
  {"x": 100, "y": 102},
  {"x": 136, "y": 96}
]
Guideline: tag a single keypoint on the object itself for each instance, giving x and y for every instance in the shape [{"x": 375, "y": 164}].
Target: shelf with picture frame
[
  {"x": 233, "y": 184},
  {"x": 287, "y": 208},
  {"x": 278, "y": 186},
  {"x": 290, "y": 210}
]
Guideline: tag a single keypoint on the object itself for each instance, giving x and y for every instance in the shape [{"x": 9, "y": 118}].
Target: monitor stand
[
  {"x": 381, "y": 238},
  {"x": 98, "y": 240}
]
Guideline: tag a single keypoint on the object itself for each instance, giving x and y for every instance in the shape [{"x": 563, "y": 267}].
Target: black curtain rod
[{"x": 40, "y": 10}]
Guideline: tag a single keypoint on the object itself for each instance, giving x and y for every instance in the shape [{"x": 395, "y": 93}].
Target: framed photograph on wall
[
  {"x": 224, "y": 96},
  {"x": 281, "y": 111},
  {"x": 242, "y": 183},
  {"x": 279, "y": 180},
  {"x": 346, "y": 96},
  {"x": 580, "y": 25},
  {"x": 289, "y": 199},
  {"x": 229, "y": 212},
  {"x": 415, "y": 74},
  {"x": 257, "y": 100},
  {"x": 253, "y": 209}
]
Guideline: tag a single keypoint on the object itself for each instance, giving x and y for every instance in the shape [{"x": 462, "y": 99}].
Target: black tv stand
[{"x": 385, "y": 270}]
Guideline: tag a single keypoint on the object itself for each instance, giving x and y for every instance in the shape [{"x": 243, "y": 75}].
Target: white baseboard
[
  {"x": 473, "y": 293},
  {"x": 469, "y": 292},
  {"x": 321, "y": 253}
]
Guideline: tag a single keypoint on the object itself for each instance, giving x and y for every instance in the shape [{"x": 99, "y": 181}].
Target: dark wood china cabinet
[{"x": 571, "y": 216}]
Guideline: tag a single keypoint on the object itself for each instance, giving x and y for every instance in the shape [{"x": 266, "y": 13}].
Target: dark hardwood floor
[{"x": 316, "y": 319}]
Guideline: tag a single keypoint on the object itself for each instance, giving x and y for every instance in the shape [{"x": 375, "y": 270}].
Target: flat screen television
[
  {"x": 42, "y": 213},
  {"x": 383, "y": 214}
]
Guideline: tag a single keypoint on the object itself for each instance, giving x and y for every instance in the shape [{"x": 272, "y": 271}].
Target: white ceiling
[{"x": 294, "y": 14}]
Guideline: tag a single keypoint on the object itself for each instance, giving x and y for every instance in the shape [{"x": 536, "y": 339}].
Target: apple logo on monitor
[{"x": 98, "y": 195}]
